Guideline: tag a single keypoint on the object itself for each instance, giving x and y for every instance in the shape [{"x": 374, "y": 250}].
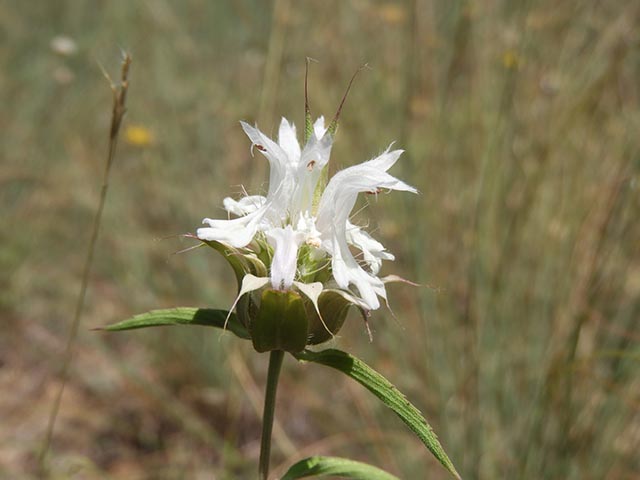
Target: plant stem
[
  {"x": 275, "y": 362},
  {"x": 119, "y": 109}
]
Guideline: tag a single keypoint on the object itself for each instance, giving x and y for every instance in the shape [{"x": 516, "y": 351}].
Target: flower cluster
[{"x": 299, "y": 238}]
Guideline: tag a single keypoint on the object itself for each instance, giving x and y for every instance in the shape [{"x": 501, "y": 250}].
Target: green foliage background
[{"x": 520, "y": 121}]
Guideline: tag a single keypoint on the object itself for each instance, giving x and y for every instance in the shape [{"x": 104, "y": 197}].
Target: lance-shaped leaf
[
  {"x": 385, "y": 391},
  {"x": 323, "y": 466},
  {"x": 181, "y": 316}
]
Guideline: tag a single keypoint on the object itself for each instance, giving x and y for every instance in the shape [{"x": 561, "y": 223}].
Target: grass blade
[{"x": 118, "y": 111}]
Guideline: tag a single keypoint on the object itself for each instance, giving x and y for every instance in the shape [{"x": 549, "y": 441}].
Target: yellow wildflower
[
  {"x": 511, "y": 60},
  {"x": 139, "y": 136},
  {"x": 392, "y": 14}
]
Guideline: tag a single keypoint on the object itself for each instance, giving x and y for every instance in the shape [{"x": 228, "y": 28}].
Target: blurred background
[{"x": 520, "y": 121}]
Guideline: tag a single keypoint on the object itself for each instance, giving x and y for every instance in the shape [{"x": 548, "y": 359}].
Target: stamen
[
  {"x": 313, "y": 242},
  {"x": 320, "y": 268},
  {"x": 365, "y": 316},
  {"x": 188, "y": 249},
  {"x": 260, "y": 147},
  {"x": 361, "y": 209},
  {"x": 310, "y": 165}
]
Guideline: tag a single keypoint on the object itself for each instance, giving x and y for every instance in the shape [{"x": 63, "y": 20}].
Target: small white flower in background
[
  {"x": 63, "y": 45},
  {"x": 308, "y": 235}
]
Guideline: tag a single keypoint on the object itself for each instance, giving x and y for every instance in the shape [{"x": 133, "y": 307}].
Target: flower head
[
  {"x": 287, "y": 218},
  {"x": 299, "y": 237}
]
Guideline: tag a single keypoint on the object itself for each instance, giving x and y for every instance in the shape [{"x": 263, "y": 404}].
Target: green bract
[
  {"x": 284, "y": 319},
  {"x": 281, "y": 322}
]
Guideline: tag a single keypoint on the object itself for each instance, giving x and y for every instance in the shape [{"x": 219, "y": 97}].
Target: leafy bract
[
  {"x": 322, "y": 466},
  {"x": 281, "y": 323},
  {"x": 182, "y": 316},
  {"x": 386, "y": 392}
]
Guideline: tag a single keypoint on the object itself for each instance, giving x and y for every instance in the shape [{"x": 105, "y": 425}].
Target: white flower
[{"x": 288, "y": 219}]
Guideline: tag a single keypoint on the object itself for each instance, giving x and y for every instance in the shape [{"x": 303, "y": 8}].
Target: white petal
[
  {"x": 236, "y": 238},
  {"x": 372, "y": 250},
  {"x": 346, "y": 272},
  {"x": 318, "y": 127},
  {"x": 278, "y": 159},
  {"x": 386, "y": 160},
  {"x": 245, "y": 205},
  {"x": 285, "y": 242},
  {"x": 288, "y": 141},
  {"x": 237, "y": 232},
  {"x": 313, "y": 160},
  {"x": 342, "y": 191},
  {"x": 335, "y": 207},
  {"x": 316, "y": 153}
]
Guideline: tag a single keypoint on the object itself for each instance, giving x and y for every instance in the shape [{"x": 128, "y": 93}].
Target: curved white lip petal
[
  {"x": 237, "y": 232},
  {"x": 278, "y": 159},
  {"x": 346, "y": 271},
  {"x": 289, "y": 141},
  {"x": 237, "y": 222},
  {"x": 245, "y": 205},
  {"x": 372, "y": 250},
  {"x": 342, "y": 191},
  {"x": 237, "y": 238},
  {"x": 314, "y": 157},
  {"x": 307, "y": 179},
  {"x": 285, "y": 243},
  {"x": 317, "y": 149},
  {"x": 335, "y": 207},
  {"x": 318, "y": 127}
]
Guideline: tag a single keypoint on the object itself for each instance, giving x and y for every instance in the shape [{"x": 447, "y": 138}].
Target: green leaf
[
  {"x": 181, "y": 316},
  {"x": 385, "y": 391},
  {"x": 322, "y": 466}
]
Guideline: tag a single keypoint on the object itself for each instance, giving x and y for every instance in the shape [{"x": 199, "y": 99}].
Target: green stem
[{"x": 275, "y": 362}]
